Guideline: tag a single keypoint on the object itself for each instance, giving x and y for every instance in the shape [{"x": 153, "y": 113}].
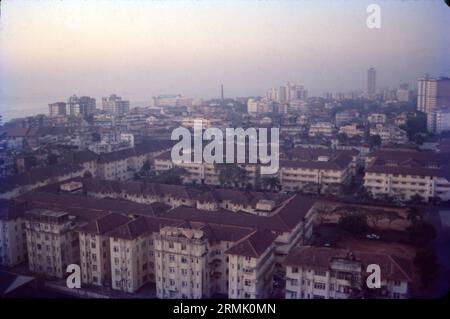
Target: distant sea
[{"x": 21, "y": 107}]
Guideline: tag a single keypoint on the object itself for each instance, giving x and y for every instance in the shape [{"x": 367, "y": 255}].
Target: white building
[
  {"x": 352, "y": 130},
  {"x": 322, "y": 128},
  {"x": 115, "y": 105},
  {"x": 432, "y": 92},
  {"x": 406, "y": 174},
  {"x": 438, "y": 120},
  {"x": 331, "y": 273},
  {"x": 376, "y": 118},
  {"x": 389, "y": 134},
  {"x": 251, "y": 266},
  {"x": 95, "y": 255},
  {"x": 52, "y": 242},
  {"x": 13, "y": 241}
]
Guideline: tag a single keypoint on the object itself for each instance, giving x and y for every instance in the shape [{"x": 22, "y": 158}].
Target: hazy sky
[{"x": 52, "y": 49}]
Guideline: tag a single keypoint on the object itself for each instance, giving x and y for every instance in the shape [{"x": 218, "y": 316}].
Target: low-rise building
[
  {"x": 376, "y": 118},
  {"x": 404, "y": 174},
  {"x": 352, "y": 130},
  {"x": 16, "y": 185},
  {"x": 331, "y": 273},
  {"x": 389, "y": 134},
  {"x": 322, "y": 128},
  {"x": 317, "y": 170}
]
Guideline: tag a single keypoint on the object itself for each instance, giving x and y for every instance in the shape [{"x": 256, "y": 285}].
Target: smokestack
[{"x": 221, "y": 92}]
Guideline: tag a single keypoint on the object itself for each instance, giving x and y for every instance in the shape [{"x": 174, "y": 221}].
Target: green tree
[
  {"x": 416, "y": 200},
  {"x": 416, "y": 125},
  {"x": 146, "y": 169},
  {"x": 231, "y": 175},
  {"x": 271, "y": 183},
  {"x": 363, "y": 193},
  {"x": 171, "y": 176}
]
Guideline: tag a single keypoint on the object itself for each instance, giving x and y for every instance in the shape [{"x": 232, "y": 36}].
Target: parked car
[{"x": 372, "y": 236}]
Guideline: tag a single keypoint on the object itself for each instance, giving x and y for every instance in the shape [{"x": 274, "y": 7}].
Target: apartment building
[
  {"x": 16, "y": 185},
  {"x": 192, "y": 259},
  {"x": 130, "y": 247},
  {"x": 181, "y": 263},
  {"x": 142, "y": 192},
  {"x": 123, "y": 164},
  {"x": 95, "y": 252},
  {"x": 346, "y": 117},
  {"x": 115, "y": 105},
  {"x": 376, "y": 118},
  {"x": 432, "y": 93},
  {"x": 85, "y": 158},
  {"x": 202, "y": 173},
  {"x": 52, "y": 242},
  {"x": 13, "y": 241},
  {"x": 57, "y": 109},
  {"x": 352, "y": 130},
  {"x": 438, "y": 120},
  {"x": 389, "y": 134},
  {"x": 322, "y": 129},
  {"x": 225, "y": 241},
  {"x": 332, "y": 273},
  {"x": 292, "y": 222},
  {"x": 404, "y": 174},
  {"x": 251, "y": 266},
  {"x": 317, "y": 170},
  {"x": 258, "y": 203}
]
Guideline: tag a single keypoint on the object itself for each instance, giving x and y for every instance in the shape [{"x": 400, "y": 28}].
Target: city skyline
[{"x": 192, "y": 48}]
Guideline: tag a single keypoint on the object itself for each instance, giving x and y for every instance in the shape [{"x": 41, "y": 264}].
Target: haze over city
[
  {"x": 245, "y": 152},
  {"x": 52, "y": 49}
]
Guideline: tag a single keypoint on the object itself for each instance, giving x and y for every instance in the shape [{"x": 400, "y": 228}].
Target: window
[
  {"x": 319, "y": 285},
  {"x": 93, "y": 245},
  {"x": 320, "y": 273},
  {"x": 171, "y": 257},
  {"x": 294, "y": 270}
]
